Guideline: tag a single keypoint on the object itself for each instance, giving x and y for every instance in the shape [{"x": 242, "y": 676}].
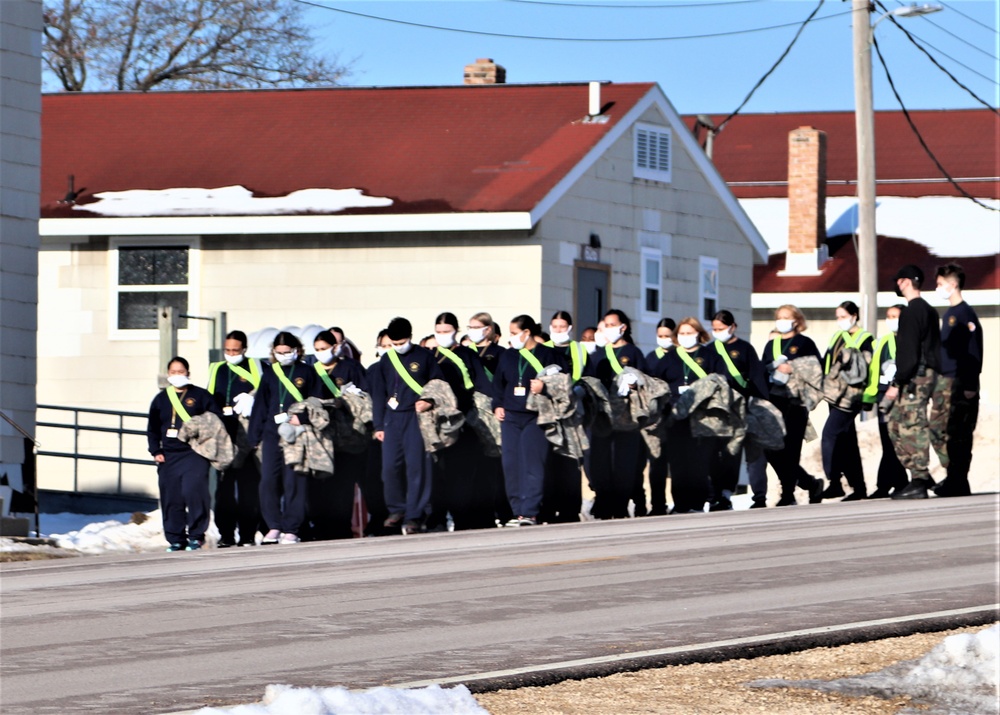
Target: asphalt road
[{"x": 154, "y": 633}]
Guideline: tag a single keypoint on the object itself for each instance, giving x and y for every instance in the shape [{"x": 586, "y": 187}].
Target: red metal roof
[
  {"x": 840, "y": 273},
  {"x": 493, "y": 148},
  {"x": 753, "y": 149}
]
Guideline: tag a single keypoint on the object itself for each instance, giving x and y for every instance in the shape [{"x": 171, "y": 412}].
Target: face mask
[
  {"x": 665, "y": 343},
  {"x": 599, "y": 339},
  {"x": 846, "y": 323},
  {"x": 892, "y": 324},
  {"x": 687, "y": 341},
  {"x": 404, "y": 348},
  {"x": 723, "y": 336},
  {"x": 516, "y": 342},
  {"x": 899, "y": 291},
  {"x": 286, "y": 359},
  {"x": 234, "y": 359},
  {"x": 944, "y": 292},
  {"x": 613, "y": 335},
  {"x": 589, "y": 345},
  {"x": 325, "y": 356},
  {"x": 477, "y": 335},
  {"x": 445, "y": 340},
  {"x": 178, "y": 380},
  {"x": 560, "y": 338},
  {"x": 784, "y": 326}
]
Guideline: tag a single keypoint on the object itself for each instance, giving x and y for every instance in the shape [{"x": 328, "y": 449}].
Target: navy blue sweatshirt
[
  {"x": 453, "y": 374},
  {"x": 628, "y": 356},
  {"x": 746, "y": 362},
  {"x": 195, "y": 401},
  {"x": 514, "y": 370},
  {"x": 386, "y": 382},
  {"x": 793, "y": 348},
  {"x": 962, "y": 346},
  {"x": 344, "y": 371},
  {"x": 273, "y": 398},
  {"x": 489, "y": 356},
  {"x": 672, "y": 368}
]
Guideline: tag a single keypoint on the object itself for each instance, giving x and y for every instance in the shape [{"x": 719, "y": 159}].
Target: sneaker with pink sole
[
  {"x": 271, "y": 537},
  {"x": 289, "y": 539}
]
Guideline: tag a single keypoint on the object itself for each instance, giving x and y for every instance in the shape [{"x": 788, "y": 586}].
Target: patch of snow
[
  {"x": 227, "y": 201},
  {"x": 286, "y": 700},
  {"x": 960, "y": 675}
]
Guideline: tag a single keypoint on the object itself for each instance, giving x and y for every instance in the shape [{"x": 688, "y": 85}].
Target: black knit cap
[
  {"x": 912, "y": 273},
  {"x": 400, "y": 328}
]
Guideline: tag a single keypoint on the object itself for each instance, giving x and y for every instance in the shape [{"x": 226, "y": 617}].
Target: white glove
[
  {"x": 243, "y": 404},
  {"x": 550, "y": 370},
  {"x": 779, "y": 377},
  {"x": 889, "y": 371},
  {"x": 290, "y": 432},
  {"x": 353, "y": 389}
]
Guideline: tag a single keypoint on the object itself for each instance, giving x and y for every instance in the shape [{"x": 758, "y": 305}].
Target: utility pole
[{"x": 864, "y": 120}]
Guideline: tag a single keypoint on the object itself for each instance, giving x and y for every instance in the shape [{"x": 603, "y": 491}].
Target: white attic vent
[{"x": 652, "y": 152}]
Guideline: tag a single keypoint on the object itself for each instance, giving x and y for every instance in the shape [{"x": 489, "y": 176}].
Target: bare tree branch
[{"x": 141, "y": 45}]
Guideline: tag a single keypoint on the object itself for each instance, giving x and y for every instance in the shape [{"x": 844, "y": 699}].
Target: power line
[
  {"x": 957, "y": 62},
  {"x": 643, "y": 6},
  {"x": 773, "y": 67},
  {"x": 961, "y": 39},
  {"x": 919, "y": 136},
  {"x": 705, "y": 36},
  {"x": 969, "y": 17}
]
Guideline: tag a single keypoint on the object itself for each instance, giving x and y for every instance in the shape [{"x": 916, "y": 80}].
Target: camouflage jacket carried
[
  {"x": 765, "y": 428},
  {"x": 560, "y": 415},
  {"x": 714, "y": 409},
  {"x": 844, "y": 386},
  {"x": 352, "y": 420},
  {"x": 207, "y": 436},
  {"x": 642, "y": 409},
  {"x": 805, "y": 384},
  {"x": 441, "y": 425},
  {"x": 311, "y": 450},
  {"x": 484, "y": 423}
]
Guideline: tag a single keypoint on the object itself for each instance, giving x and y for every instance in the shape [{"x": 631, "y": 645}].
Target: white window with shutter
[{"x": 652, "y": 152}]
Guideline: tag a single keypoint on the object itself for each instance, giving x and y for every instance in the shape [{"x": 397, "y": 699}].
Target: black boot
[
  {"x": 953, "y": 487},
  {"x": 917, "y": 489}
]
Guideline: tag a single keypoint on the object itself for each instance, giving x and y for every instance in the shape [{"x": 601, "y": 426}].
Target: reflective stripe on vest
[
  {"x": 532, "y": 360},
  {"x": 579, "y": 355},
  {"x": 689, "y": 361},
  {"x": 875, "y": 370},
  {"x": 466, "y": 380},
  {"x": 407, "y": 378},
  {"x": 609, "y": 352},
  {"x": 289, "y": 385},
  {"x": 850, "y": 341},
  {"x": 721, "y": 349},
  {"x": 325, "y": 377},
  {"x": 176, "y": 403},
  {"x": 253, "y": 376}
]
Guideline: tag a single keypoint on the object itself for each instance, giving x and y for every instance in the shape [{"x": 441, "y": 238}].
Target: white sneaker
[
  {"x": 289, "y": 539},
  {"x": 271, "y": 537}
]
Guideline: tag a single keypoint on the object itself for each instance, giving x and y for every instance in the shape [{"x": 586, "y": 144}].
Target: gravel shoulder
[{"x": 721, "y": 688}]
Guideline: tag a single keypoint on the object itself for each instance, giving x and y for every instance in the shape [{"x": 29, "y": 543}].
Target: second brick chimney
[
  {"x": 485, "y": 71},
  {"x": 807, "y": 249}
]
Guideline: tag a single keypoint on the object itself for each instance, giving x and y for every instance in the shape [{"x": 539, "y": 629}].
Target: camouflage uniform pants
[
  {"x": 909, "y": 427},
  {"x": 938, "y": 421}
]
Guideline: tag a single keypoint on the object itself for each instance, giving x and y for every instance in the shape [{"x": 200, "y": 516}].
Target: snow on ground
[
  {"x": 960, "y": 675},
  {"x": 286, "y": 700}
]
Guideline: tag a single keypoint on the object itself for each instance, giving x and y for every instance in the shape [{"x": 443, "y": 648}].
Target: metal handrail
[{"x": 77, "y": 428}]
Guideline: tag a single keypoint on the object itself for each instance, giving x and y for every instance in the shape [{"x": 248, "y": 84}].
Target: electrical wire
[
  {"x": 957, "y": 62},
  {"x": 961, "y": 39},
  {"x": 773, "y": 67},
  {"x": 705, "y": 36},
  {"x": 934, "y": 60},
  {"x": 920, "y": 137},
  {"x": 968, "y": 17},
  {"x": 644, "y": 6}
]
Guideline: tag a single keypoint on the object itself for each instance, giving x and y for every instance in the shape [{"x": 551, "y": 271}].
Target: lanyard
[
  {"x": 325, "y": 377},
  {"x": 407, "y": 378},
  {"x": 460, "y": 364},
  {"x": 178, "y": 407},
  {"x": 525, "y": 358},
  {"x": 613, "y": 359},
  {"x": 690, "y": 364},
  {"x": 729, "y": 364},
  {"x": 286, "y": 388}
]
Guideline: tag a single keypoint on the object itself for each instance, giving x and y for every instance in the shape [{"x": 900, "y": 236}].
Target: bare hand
[
  {"x": 294, "y": 420},
  {"x": 380, "y": 435},
  {"x": 499, "y": 413},
  {"x": 159, "y": 458},
  {"x": 785, "y": 368},
  {"x": 422, "y": 405},
  {"x": 892, "y": 393},
  {"x": 536, "y": 386}
]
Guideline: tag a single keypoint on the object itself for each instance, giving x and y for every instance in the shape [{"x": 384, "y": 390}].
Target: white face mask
[
  {"x": 892, "y": 324},
  {"x": 516, "y": 342},
  {"x": 944, "y": 292},
  {"x": 325, "y": 356},
  {"x": 589, "y": 345},
  {"x": 286, "y": 359},
  {"x": 723, "y": 335},
  {"x": 477, "y": 335},
  {"x": 613, "y": 335},
  {"x": 784, "y": 326},
  {"x": 687, "y": 340},
  {"x": 846, "y": 323},
  {"x": 404, "y": 348},
  {"x": 665, "y": 343},
  {"x": 234, "y": 359},
  {"x": 178, "y": 380},
  {"x": 560, "y": 338},
  {"x": 445, "y": 340}
]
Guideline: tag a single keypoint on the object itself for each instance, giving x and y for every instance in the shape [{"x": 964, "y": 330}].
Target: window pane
[
  {"x": 155, "y": 265},
  {"x": 710, "y": 282},
  {"x": 137, "y": 311},
  {"x": 709, "y": 309},
  {"x": 642, "y": 148},
  {"x": 651, "y": 275},
  {"x": 652, "y": 300}
]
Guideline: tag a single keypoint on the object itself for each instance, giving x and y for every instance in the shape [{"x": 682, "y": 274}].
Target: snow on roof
[{"x": 226, "y": 201}]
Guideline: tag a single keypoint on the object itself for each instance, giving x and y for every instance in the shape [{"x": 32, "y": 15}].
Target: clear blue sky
[{"x": 711, "y": 75}]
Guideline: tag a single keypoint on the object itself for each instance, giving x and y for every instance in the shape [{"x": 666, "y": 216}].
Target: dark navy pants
[
  {"x": 330, "y": 504},
  {"x": 525, "y": 459},
  {"x": 891, "y": 472},
  {"x": 406, "y": 471},
  {"x": 614, "y": 462},
  {"x": 237, "y": 502},
  {"x": 786, "y": 461},
  {"x": 690, "y": 461},
  {"x": 282, "y": 491},
  {"x": 841, "y": 455},
  {"x": 184, "y": 496}
]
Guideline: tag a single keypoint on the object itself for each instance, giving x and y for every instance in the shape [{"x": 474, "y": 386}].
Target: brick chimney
[
  {"x": 485, "y": 71},
  {"x": 807, "y": 249}
]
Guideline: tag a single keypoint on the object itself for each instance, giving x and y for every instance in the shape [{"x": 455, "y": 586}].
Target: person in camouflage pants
[{"x": 911, "y": 430}]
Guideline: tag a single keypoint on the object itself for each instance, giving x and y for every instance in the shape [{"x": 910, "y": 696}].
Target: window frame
[
  {"x": 645, "y": 172},
  {"x": 115, "y": 243},
  {"x": 645, "y": 254},
  {"x": 707, "y": 263}
]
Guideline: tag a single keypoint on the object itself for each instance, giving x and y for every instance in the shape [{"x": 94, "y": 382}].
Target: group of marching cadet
[{"x": 457, "y": 431}]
